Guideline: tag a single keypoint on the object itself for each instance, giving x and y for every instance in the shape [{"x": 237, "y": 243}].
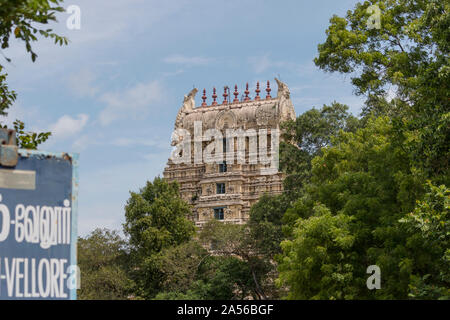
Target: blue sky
[{"x": 113, "y": 93}]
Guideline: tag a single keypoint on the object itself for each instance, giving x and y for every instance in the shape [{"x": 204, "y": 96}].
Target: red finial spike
[
  {"x": 236, "y": 93},
  {"x": 246, "y": 92},
  {"x": 268, "y": 90},
  {"x": 257, "y": 91},
  {"x": 225, "y": 95},
  {"x": 214, "y": 96},
  {"x": 204, "y": 98}
]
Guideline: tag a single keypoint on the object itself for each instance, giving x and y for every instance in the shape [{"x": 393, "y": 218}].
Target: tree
[
  {"x": 224, "y": 278},
  {"x": 24, "y": 19},
  {"x": 265, "y": 235},
  {"x": 7, "y": 96},
  {"x": 180, "y": 266},
  {"x": 216, "y": 278},
  {"x": 29, "y": 140},
  {"x": 367, "y": 182},
  {"x": 430, "y": 223},
  {"x": 102, "y": 258},
  {"x": 156, "y": 220},
  {"x": 407, "y": 55},
  {"x": 316, "y": 262},
  {"x": 230, "y": 240},
  {"x": 265, "y": 224},
  {"x": 304, "y": 138}
]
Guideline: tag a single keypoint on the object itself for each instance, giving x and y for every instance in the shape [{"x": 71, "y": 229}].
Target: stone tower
[{"x": 234, "y": 132}]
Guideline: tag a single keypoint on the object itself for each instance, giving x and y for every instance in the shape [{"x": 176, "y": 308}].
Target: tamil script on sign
[{"x": 37, "y": 236}]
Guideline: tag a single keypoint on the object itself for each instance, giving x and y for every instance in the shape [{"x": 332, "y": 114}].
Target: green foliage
[
  {"x": 224, "y": 278},
  {"x": 218, "y": 278},
  {"x": 156, "y": 217},
  {"x": 409, "y": 55},
  {"x": 29, "y": 140},
  {"x": 102, "y": 257},
  {"x": 230, "y": 240},
  {"x": 430, "y": 221},
  {"x": 156, "y": 220},
  {"x": 180, "y": 265},
  {"x": 7, "y": 97},
  {"x": 24, "y": 19},
  {"x": 314, "y": 128},
  {"x": 167, "y": 263},
  {"x": 177, "y": 296},
  {"x": 366, "y": 183},
  {"x": 317, "y": 262},
  {"x": 305, "y": 137},
  {"x": 265, "y": 224},
  {"x": 299, "y": 209},
  {"x": 360, "y": 176},
  {"x": 358, "y": 192},
  {"x": 364, "y": 179},
  {"x": 409, "y": 40},
  {"x": 238, "y": 265}
]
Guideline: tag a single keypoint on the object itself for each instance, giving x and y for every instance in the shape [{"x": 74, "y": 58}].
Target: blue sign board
[{"x": 38, "y": 227}]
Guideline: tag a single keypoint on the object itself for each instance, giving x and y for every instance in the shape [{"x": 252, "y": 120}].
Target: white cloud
[
  {"x": 188, "y": 61},
  {"x": 134, "y": 102},
  {"x": 174, "y": 73},
  {"x": 66, "y": 126},
  {"x": 84, "y": 141},
  {"x": 81, "y": 83},
  {"x": 148, "y": 142},
  {"x": 104, "y": 24}
]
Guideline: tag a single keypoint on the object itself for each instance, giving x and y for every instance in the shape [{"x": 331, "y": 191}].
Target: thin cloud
[
  {"x": 188, "y": 61},
  {"x": 83, "y": 142},
  {"x": 134, "y": 102},
  {"x": 82, "y": 83},
  {"x": 67, "y": 126},
  {"x": 145, "y": 142}
]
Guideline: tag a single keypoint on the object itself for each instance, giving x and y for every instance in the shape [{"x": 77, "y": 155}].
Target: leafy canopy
[
  {"x": 25, "y": 20},
  {"x": 156, "y": 220},
  {"x": 102, "y": 258},
  {"x": 407, "y": 58}
]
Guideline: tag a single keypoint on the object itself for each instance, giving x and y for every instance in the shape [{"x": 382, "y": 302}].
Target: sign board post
[{"x": 38, "y": 226}]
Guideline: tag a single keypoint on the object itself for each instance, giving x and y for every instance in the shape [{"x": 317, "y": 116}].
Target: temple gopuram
[{"x": 247, "y": 134}]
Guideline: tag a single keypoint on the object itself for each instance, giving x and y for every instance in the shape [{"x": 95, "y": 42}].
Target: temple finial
[
  {"x": 214, "y": 96},
  {"x": 246, "y": 98},
  {"x": 236, "y": 93},
  {"x": 225, "y": 95},
  {"x": 204, "y": 98},
  {"x": 268, "y": 90},
  {"x": 257, "y": 97}
]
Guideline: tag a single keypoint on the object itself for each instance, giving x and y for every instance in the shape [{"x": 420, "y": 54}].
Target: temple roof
[{"x": 245, "y": 113}]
